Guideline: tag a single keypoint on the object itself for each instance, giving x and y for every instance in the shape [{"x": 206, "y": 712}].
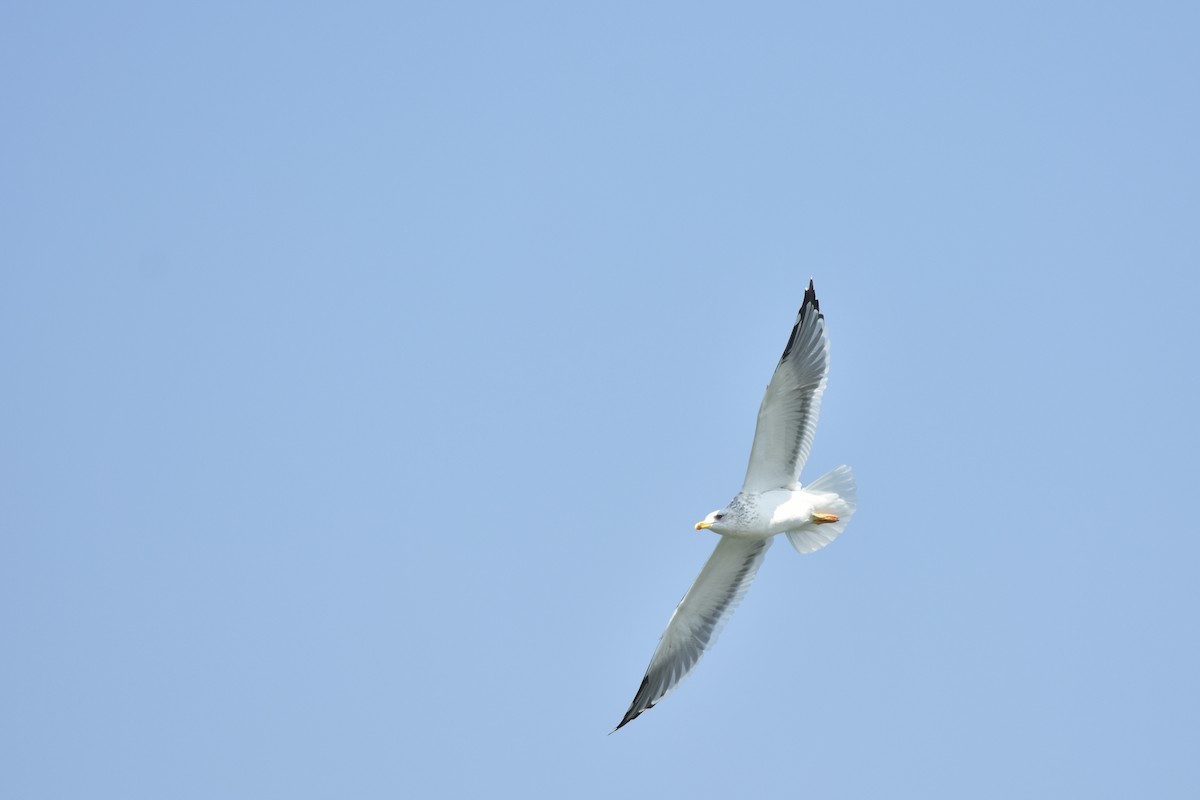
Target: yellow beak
[{"x": 702, "y": 525}]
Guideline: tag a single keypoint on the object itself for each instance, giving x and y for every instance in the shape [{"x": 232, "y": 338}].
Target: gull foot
[{"x": 821, "y": 519}]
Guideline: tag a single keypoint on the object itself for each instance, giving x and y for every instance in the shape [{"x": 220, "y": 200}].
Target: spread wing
[
  {"x": 787, "y": 417},
  {"x": 698, "y": 619}
]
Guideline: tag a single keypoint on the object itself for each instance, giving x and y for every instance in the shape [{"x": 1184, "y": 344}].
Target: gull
[{"x": 771, "y": 502}]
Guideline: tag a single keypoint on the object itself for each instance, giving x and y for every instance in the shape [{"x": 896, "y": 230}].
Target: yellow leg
[{"x": 821, "y": 519}]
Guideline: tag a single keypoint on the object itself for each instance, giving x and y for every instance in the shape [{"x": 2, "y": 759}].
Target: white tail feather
[{"x": 839, "y": 484}]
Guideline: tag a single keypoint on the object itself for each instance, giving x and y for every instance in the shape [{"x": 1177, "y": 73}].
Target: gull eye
[{"x": 718, "y": 516}]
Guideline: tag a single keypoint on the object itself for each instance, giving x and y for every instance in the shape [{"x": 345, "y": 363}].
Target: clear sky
[{"x": 366, "y": 366}]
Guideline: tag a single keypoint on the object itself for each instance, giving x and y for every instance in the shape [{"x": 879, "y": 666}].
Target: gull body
[
  {"x": 761, "y": 516},
  {"x": 771, "y": 502}
]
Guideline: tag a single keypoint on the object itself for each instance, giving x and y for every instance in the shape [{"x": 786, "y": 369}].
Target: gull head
[
  {"x": 736, "y": 518},
  {"x": 716, "y": 520}
]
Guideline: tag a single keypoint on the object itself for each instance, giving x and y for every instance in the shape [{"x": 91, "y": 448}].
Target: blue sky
[{"x": 366, "y": 367}]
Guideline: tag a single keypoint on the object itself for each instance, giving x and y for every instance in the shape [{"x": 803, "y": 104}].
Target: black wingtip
[
  {"x": 625, "y": 720},
  {"x": 631, "y": 714},
  {"x": 809, "y": 301},
  {"x": 629, "y": 717},
  {"x": 810, "y": 298}
]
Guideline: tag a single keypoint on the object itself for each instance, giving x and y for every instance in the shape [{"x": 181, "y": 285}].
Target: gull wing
[
  {"x": 787, "y": 417},
  {"x": 699, "y": 618}
]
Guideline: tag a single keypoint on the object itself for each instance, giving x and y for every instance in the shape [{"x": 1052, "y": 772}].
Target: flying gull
[{"x": 771, "y": 502}]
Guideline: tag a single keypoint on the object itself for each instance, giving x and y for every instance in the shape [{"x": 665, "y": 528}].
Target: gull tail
[{"x": 839, "y": 485}]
